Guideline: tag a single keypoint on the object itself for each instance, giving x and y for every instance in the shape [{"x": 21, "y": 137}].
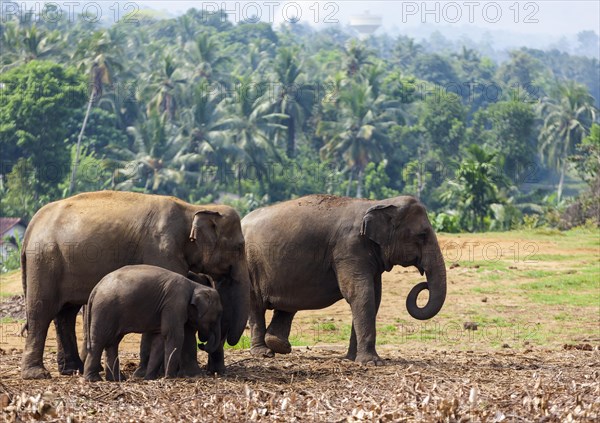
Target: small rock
[
  {"x": 513, "y": 267},
  {"x": 470, "y": 326},
  {"x": 454, "y": 265},
  {"x": 4, "y": 400}
]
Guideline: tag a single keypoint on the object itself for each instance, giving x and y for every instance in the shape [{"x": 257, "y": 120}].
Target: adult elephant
[
  {"x": 71, "y": 244},
  {"x": 311, "y": 252}
]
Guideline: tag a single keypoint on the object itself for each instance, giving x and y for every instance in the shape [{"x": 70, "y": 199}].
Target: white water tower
[{"x": 365, "y": 24}]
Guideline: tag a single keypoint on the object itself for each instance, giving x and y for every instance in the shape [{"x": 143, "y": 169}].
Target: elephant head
[
  {"x": 205, "y": 313},
  {"x": 216, "y": 248},
  {"x": 402, "y": 230}
]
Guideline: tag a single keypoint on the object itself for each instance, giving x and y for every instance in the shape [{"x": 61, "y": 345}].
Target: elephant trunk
[
  {"x": 239, "y": 303},
  {"x": 435, "y": 271},
  {"x": 214, "y": 340}
]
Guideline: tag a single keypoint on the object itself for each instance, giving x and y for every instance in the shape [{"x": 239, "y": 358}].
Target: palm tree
[
  {"x": 568, "y": 115},
  {"x": 205, "y": 127},
  {"x": 25, "y": 44},
  {"x": 358, "y": 135},
  {"x": 357, "y": 55},
  {"x": 150, "y": 164},
  {"x": 205, "y": 56},
  {"x": 102, "y": 55},
  {"x": 251, "y": 132},
  {"x": 406, "y": 51},
  {"x": 476, "y": 186},
  {"x": 164, "y": 86},
  {"x": 289, "y": 97}
]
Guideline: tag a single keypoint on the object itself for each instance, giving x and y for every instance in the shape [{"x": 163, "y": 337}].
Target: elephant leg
[
  {"x": 155, "y": 367},
  {"x": 38, "y": 322},
  {"x": 112, "y": 365},
  {"x": 145, "y": 350},
  {"x": 216, "y": 361},
  {"x": 360, "y": 292},
  {"x": 278, "y": 332},
  {"x": 93, "y": 365},
  {"x": 68, "y": 358},
  {"x": 189, "y": 354},
  {"x": 173, "y": 347},
  {"x": 351, "y": 354},
  {"x": 258, "y": 329}
]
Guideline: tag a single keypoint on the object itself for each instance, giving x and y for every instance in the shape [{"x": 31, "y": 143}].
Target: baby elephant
[{"x": 153, "y": 300}]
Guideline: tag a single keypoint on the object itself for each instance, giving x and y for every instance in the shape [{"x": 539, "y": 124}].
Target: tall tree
[
  {"x": 42, "y": 95},
  {"x": 358, "y": 135},
  {"x": 568, "y": 114}
]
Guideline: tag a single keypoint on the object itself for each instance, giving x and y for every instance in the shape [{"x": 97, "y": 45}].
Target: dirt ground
[
  {"x": 527, "y": 361},
  {"x": 316, "y": 385}
]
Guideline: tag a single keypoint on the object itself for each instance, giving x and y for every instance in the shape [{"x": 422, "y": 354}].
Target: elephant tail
[
  {"x": 88, "y": 320},
  {"x": 24, "y": 284}
]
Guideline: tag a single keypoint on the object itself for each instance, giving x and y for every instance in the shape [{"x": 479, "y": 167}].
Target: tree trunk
[
  {"x": 561, "y": 181},
  {"x": 359, "y": 184},
  {"x": 78, "y": 150},
  {"x": 291, "y": 137},
  {"x": 349, "y": 187}
]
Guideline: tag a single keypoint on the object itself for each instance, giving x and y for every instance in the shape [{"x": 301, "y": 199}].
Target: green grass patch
[
  {"x": 243, "y": 343},
  {"x": 535, "y": 274},
  {"x": 577, "y": 289}
]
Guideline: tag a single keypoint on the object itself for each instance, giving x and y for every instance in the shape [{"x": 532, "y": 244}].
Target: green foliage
[
  {"x": 13, "y": 257},
  {"x": 37, "y": 101},
  {"x": 507, "y": 127},
  {"x": 476, "y": 187},
  {"x": 377, "y": 182},
  {"x": 443, "y": 120},
  {"x": 587, "y": 159},
  {"x": 247, "y": 114},
  {"x": 18, "y": 193},
  {"x": 446, "y": 222}
]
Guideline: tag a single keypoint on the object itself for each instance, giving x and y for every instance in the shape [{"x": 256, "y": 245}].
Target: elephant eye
[{"x": 423, "y": 235}]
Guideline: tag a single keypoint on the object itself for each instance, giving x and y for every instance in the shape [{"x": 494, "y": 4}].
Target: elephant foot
[
  {"x": 93, "y": 377},
  {"x": 139, "y": 373},
  {"x": 261, "y": 351},
  {"x": 71, "y": 370},
  {"x": 278, "y": 345},
  {"x": 111, "y": 378},
  {"x": 38, "y": 372},
  {"x": 371, "y": 359},
  {"x": 190, "y": 371},
  {"x": 349, "y": 356},
  {"x": 218, "y": 368}
]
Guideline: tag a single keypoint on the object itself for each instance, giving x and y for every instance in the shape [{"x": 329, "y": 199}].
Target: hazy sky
[{"x": 533, "y": 17}]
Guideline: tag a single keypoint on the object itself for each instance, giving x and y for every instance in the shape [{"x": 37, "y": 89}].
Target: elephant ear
[
  {"x": 377, "y": 223},
  {"x": 202, "y": 301},
  {"x": 205, "y": 228}
]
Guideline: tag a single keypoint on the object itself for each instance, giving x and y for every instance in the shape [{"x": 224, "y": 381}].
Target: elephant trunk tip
[{"x": 433, "y": 306}]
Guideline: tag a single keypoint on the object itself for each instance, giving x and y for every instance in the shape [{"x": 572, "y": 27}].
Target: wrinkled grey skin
[
  {"x": 311, "y": 252},
  {"x": 73, "y": 243},
  {"x": 149, "y": 299},
  {"x": 151, "y": 345}
]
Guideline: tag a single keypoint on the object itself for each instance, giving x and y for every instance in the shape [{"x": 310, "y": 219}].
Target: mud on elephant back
[
  {"x": 71, "y": 244},
  {"x": 311, "y": 252}
]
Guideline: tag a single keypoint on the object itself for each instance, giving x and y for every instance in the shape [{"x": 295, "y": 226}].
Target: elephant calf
[{"x": 149, "y": 299}]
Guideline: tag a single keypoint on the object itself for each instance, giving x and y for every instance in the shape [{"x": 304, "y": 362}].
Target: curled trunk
[{"x": 435, "y": 271}]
